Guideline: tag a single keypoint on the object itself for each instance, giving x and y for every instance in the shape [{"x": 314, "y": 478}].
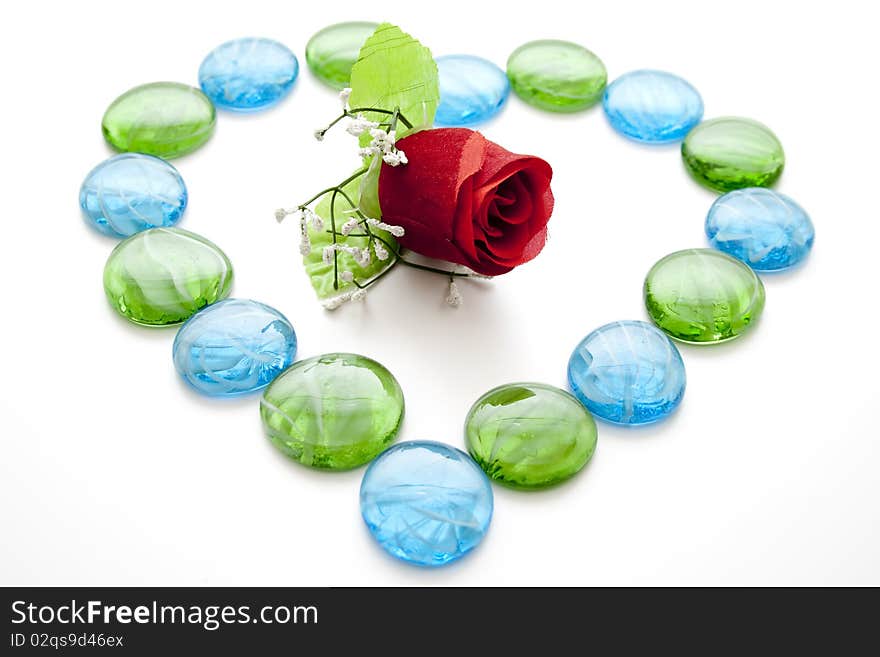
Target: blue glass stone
[
  {"x": 233, "y": 347},
  {"x": 765, "y": 229},
  {"x": 627, "y": 372},
  {"x": 472, "y": 90},
  {"x": 132, "y": 192},
  {"x": 426, "y": 503},
  {"x": 652, "y": 106},
  {"x": 247, "y": 75}
]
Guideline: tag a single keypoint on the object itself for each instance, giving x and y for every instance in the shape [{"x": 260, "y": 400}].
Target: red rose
[{"x": 464, "y": 199}]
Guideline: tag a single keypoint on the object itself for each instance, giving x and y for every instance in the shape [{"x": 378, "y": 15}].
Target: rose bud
[{"x": 466, "y": 200}]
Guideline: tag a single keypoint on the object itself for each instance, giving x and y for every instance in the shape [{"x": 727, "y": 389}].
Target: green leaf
[
  {"x": 369, "y": 189},
  {"x": 393, "y": 71},
  {"x": 320, "y": 273}
]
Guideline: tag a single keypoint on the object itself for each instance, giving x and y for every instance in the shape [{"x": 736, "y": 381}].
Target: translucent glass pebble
[
  {"x": 332, "y": 52},
  {"x": 530, "y": 435},
  {"x": 132, "y": 192},
  {"x": 763, "y": 228},
  {"x": 336, "y": 411},
  {"x": 556, "y": 75},
  {"x": 472, "y": 90},
  {"x": 426, "y": 503},
  {"x": 246, "y": 75},
  {"x": 627, "y": 372},
  {"x": 166, "y": 119},
  {"x": 732, "y": 153},
  {"x": 233, "y": 347},
  {"x": 163, "y": 276},
  {"x": 703, "y": 296},
  {"x": 652, "y": 106}
]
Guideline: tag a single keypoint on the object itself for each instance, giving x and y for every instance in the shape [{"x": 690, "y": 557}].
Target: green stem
[
  {"x": 378, "y": 111},
  {"x": 352, "y": 204},
  {"x": 333, "y": 228},
  {"x": 398, "y": 258},
  {"x": 337, "y": 187},
  {"x": 392, "y": 124}
]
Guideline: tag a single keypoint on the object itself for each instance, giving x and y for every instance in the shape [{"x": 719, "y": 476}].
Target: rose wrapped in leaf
[{"x": 466, "y": 200}]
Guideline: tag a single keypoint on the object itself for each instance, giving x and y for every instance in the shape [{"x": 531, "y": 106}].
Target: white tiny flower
[
  {"x": 280, "y": 214},
  {"x": 362, "y": 257},
  {"x": 335, "y": 302},
  {"x": 347, "y": 276},
  {"x": 397, "y": 231},
  {"x": 402, "y": 157},
  {"x": 305, "y": 243},
  {"x": 359, "y": 125},
  {"x": 369, "y": 151},
  {"x": 314, "y": 219},
  {"x": 359, "y": 294},
  {"x": 344, "y": 95},
  {"x": 349, "y": 226},
  {"x": 454, "y": 298},
  {"x": 319, "y": 134},
  {"x": 378, "y": 134},
  {"x": 356, "y": 126},
  {"x": 328, "y": 253},
  {"x": 391, "y": 137},
  {"x": 391, "y": 159},
  {"x": 381, "y": 251}
]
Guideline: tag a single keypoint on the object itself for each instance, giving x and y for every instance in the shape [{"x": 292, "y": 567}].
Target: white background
[{"x": 112, "y": 472}]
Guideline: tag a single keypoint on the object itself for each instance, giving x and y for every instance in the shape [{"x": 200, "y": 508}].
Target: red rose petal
[{"x": 467, "y": 200}]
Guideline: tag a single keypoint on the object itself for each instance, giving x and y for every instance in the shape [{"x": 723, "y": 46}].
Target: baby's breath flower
[
  {"x": 368, "y": 151},
  {"x": 393, "y": 158},
  {"x": 359, "y": 294},
  {"x": 344, "y": 95},
  {"x": 359, "y": 125},
  {"x": 381, "y": 251},
  {"x": 316, "y": 221},
  {"x": 397, "y": 231},
  {"x": 347, "y": 276},
  {"x": 362, "y": 257},
  {"x": 454, "y": 298},
  {"x": 305, "y": 243},
  {"x": 281, "y": 213},
  {"x": 349, "y": 226},
  {"x": 327, "y": 254},
  {"x": 335, "y": 302},
  {"x": 319, "y": 134}
]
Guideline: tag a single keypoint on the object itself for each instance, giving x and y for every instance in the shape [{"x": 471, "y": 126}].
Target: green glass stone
[
  {"x": 162, "y": 276},
  {"x": 336, "y": 411},
  {"x": 557, "y": 75},
  {"x": 732, "y": 153},
  {"x": 166, "y": 119},
  {"x": 530, "y": 435},
  {"x": 332, "y": 52},
  {"x": 703, "y": 296}
]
